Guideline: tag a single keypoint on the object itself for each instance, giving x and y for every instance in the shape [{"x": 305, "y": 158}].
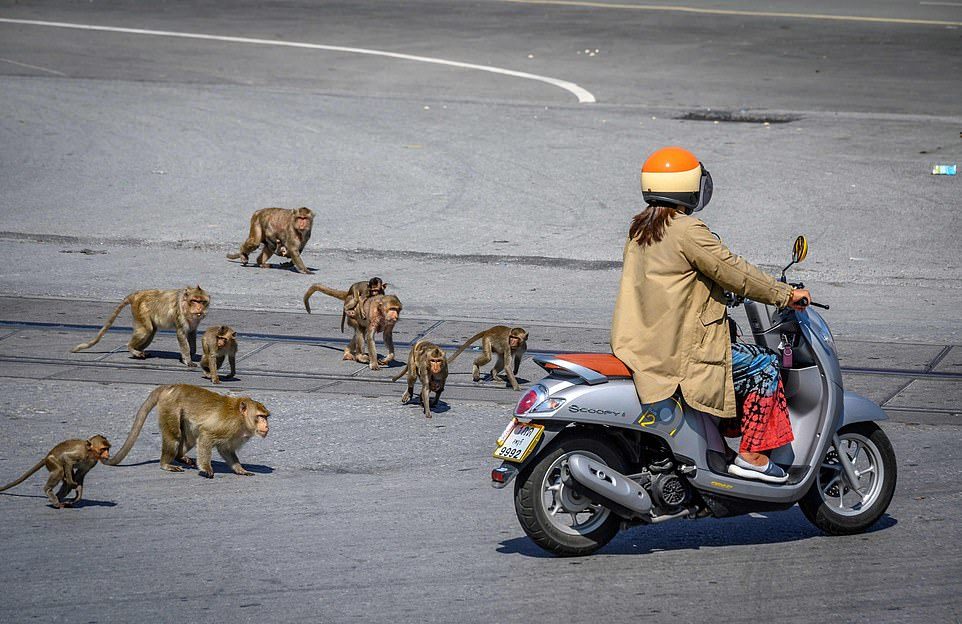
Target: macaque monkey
[
  {"x": 427, "y": 363},
  {"x": 181, "y": 309},
  {"x": 510, "y": 343},
  {"x": 218, "y": 342},
  {"x": 375, "y": 314},
  {"x": 191, "y": 415},
  {"x": 278, "y": 229},
  {"x": 68, "y": 463},
  {"x": 351, "y": 297}
]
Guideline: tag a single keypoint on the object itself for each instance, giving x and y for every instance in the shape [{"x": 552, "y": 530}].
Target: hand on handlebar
[{"x": 801, "y": 299}]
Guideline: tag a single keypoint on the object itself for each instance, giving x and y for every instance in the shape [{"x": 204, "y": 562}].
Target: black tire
[
  {"x": 529, "y": 503},
  {"x": 829, "y": 516}
]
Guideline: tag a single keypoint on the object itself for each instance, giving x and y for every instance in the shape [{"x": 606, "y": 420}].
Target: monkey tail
[
  {"x": 343, "y": 318},
  {"x": 139, "y": 420},
  {"x": 467, "y": 344},
  {"x": 233, "y": 256},
  {"x": 23, "y": 478},
  {"x": 103, "y": 330},
  {"x": 403, "y": 371},
  {"x": 337, "y": 294}
]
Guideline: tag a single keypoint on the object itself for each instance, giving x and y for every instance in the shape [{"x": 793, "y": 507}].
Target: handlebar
[{"x": 805, "y": 303}]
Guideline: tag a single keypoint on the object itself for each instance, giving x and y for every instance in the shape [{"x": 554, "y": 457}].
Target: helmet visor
[{"x": 705, "y": 188}]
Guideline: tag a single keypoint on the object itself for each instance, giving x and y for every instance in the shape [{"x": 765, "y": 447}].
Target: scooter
[{"x": 588, "y": 459}]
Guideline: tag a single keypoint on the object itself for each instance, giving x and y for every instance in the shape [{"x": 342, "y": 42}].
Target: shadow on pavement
[{"x": 772, "y": 528}]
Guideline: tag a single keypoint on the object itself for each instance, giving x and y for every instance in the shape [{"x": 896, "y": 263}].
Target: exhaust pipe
[{"x": 610, "y": 484}]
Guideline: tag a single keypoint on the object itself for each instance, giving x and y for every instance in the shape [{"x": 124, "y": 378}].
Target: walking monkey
[
  {"x": 68, "y": 463},
  {"x": 510, "y": 343},
  {"x": 191, "y": 415},
  {"x": 181, "y": 309},
  {"x": 427, "y": 363},
  {"x": 278, "y": 229},
  {"x": 218, "y": 342}
]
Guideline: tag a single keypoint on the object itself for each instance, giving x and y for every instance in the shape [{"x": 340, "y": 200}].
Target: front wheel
[
  {"x": 552, "y": 513},
  {"x": 836, "y": 505}
]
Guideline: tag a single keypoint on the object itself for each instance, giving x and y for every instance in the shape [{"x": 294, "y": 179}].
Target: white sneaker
[{"x": 769, "y": 472}]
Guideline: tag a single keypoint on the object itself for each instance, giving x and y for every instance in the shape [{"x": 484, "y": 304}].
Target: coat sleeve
[{"x": 713, "y": 259}]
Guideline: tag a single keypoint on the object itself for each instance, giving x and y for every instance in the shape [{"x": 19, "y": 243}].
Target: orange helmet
[{"x": 672, "y": 175}]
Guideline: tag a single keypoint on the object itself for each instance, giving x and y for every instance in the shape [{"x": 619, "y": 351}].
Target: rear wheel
[
  {"x": 835, "y": 504},
  {"x": 552, "y": 513}
]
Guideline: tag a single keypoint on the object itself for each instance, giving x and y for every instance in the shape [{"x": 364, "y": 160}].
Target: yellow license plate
[{"x": 518, "y": 440}]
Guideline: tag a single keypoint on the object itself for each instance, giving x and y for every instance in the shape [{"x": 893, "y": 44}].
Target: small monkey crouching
[{"x": 68, "y": 463}]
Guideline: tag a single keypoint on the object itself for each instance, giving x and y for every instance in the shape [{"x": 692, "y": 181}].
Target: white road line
[
  {"x": 736, "y": 12},
  {"x": 952, "y": 4},
  {"x": 43, "y": 69},
  {"x": 584, "y": 96}
]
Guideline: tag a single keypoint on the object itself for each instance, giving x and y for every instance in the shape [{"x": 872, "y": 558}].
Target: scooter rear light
[{"x": 532, "y": 397}]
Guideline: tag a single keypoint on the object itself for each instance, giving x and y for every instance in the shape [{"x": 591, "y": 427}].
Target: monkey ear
[
  {"x": 243, "y": 407},
  {"x": 89, "y": 444}
]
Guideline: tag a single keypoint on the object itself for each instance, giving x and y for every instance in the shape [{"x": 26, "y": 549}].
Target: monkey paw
[
  {"x": 206, "y": 474},
  {"x": 244, "y": 473},
  {"x": 187, "y": 461},
  {"x": 189, "y": 364},
  {"x": 171, "y": 468},
  {"x": 406, "y": 397}
]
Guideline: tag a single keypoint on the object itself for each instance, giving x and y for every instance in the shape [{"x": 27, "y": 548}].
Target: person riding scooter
[{"x": 670, "y": 321}]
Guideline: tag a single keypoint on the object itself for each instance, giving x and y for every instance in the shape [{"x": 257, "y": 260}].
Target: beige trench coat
[{"x": 669, "y": 325}]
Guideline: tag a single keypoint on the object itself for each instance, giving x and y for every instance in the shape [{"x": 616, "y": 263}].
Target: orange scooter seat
[{"x": 603, "y": 363}]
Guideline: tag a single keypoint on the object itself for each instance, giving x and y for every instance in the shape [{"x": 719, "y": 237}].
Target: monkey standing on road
[
  {"x": 181, "y": 309},
  {"x": 218, "y": 342},
  {"x": 68, "y": 463},
  {"x": 351, "y": 297},
  {"x": 427, "y": 363},
  {"x": 189, "y": 416},
  {"x": 287, "y": 230},
  {"x": 374, "y": 315},
  {"x": 510, "y": 343}
]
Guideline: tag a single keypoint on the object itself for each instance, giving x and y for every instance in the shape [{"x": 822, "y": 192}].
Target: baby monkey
[
  {"x": 352, "y": 297},
  {"x": 218, "y": 342},
  {"x": 509, "y": 343},
  {"x": 427, "y": 363},
  {"x": 68, "y": 463}
]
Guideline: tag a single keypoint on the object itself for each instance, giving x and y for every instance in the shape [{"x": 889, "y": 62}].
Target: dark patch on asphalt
[{"x": 741, "y": 116}]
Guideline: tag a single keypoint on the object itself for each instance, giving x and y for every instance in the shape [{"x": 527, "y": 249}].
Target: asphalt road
[{"x": 136, "y": 140}]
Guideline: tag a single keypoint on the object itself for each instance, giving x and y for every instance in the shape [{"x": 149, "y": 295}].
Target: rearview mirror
[{"x": 799, "y": 250}]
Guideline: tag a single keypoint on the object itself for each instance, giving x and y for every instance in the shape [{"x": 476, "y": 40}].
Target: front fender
[{"x": 856, "y": 408}]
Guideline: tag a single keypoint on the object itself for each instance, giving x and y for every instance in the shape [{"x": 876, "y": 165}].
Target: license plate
[{"x": 518, "y": 440}]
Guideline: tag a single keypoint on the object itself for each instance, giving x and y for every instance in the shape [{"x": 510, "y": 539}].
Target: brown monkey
[
  {"x": 181, "y": 309},
  {"x": 510, "y": 343},
  {"x": 68, "y": 463},
  {"x": 191, "y": 415},
  {"x": 351, "y": 297},
  {"x": 427, "y": 363},
  {"x": 288, "y": 229},
  {"x": 218, "y": 342},
  {"x": 374, "y": 315}
]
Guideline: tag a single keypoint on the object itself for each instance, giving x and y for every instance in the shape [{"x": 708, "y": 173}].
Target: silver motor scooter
[{"x": 588, "y": 459}]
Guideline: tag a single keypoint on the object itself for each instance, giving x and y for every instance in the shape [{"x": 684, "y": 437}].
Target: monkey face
[
  {"x": 303, "y": 218},
  {"x": 516, "y": 337},
  {"x": 196, "y": 301},
  {"x": 256, "y": 414},
  {"x": 99, "y": 448},
  {"x": 262, "y": 426},
  {"x": 392, "y": 314},
  {"x": 436, "y": 364}
]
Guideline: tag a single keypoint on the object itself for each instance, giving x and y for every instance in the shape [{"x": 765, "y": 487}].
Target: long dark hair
[{"x": 648, "y": 226}]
